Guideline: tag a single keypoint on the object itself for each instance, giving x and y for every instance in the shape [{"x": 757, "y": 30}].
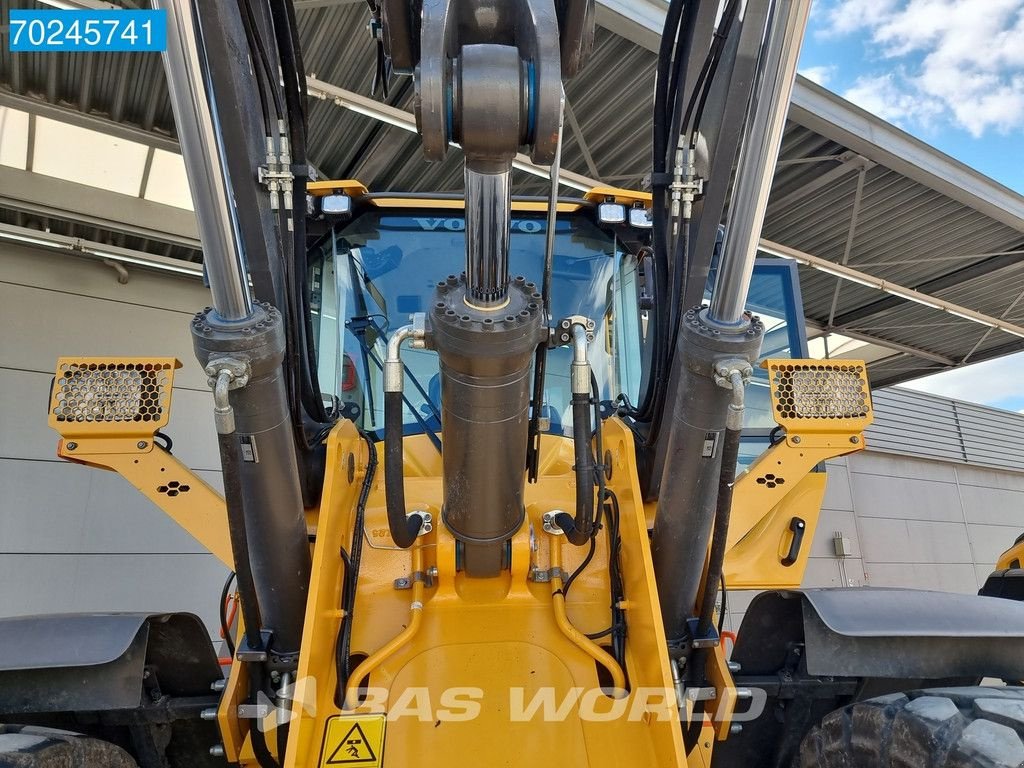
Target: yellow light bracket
[
  {"x": 98, "y": 403},
  {"x": 820, "y": 396},
  {"x": 108, "y": 411},
  {"x": 824, "y": 406}
]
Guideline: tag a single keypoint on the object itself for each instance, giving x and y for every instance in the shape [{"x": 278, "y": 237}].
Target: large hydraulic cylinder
[
  {"x": 275, "y": 525},
  {"x": 486, "y": 356},
  {"x": 689, "y": 487}
]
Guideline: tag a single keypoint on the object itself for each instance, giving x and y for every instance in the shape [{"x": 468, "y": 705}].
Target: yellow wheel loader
[{"x": 492, "y": 463}]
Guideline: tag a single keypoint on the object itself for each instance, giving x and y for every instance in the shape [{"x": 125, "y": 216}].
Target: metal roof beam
[
  {"x": 820, "y": 330},
  {"x": 72, "y": 116},
  {"x": 949, "y": 280},
  {"x": 399, "y": 118},
  {"x": 814, "y": 107},
  {"x": 897, "y": 291},
  {"x": 76, "y": 246},
  {"x": 55, "y": 198}
]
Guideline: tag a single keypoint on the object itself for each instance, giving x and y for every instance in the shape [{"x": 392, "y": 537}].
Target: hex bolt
[
  {"x": 208, "y": 714},
  {"x": 796, "y": 439},
  {"x": 219, "y": 685},
  {"x": 217, "y": 750},
  {"x": 742, "y": 694},
  {"x": 735, "y": 729},
  {"x": 854, "y": 439},
  {"x": 71, "y": 446},
  {"x": 734, "y": 667},
  {"x": 141, "y": 444}
]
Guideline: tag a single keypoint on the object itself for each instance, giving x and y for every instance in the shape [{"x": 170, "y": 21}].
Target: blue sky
[{"x": 950, "y": 72}]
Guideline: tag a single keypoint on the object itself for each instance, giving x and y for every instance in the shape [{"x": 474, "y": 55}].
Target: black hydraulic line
[
  {"x": 352, "y": 562},
  {"x": 404, "y": 529},
  {"x": 659, "y": 184},
  {"x": 540, "y": 365},
  {"x": 230, "y": 459},
  {"x": 580, "y": 528},
  {"x": 434, "y": 439},
  {"x": 222, "y": 614},
  {"x": 722, "y": 607},
  {"x": 257, "y": 738},
  {"x": 719, "y": 537}
]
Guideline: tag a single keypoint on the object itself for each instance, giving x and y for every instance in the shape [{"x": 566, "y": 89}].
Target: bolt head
[
  {"x": 141, "y": 444},
  {"x": 71, "y": 446},
  {"x": 796, "y": 439},
  {"x": 854, "y": 439}
]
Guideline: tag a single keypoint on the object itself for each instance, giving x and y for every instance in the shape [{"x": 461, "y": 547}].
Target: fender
[
  {"x": 102, "y": 661},
  {"x": 804, "y": 653}
]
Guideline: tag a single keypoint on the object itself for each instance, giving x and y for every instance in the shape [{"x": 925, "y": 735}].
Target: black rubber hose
[
  {"x": 230, "y": 460},
  {"x": 352, "y": 562},
  {"x": 222, "y": 614},
  {"x": 579, "y": 529},
  {"x": 719, "y": 536},
  {"x": 257, "y": 738},
  {"x": 403, "y": 529}
]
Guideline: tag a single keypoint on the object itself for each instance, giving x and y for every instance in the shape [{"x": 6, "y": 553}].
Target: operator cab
[{"x": 378, "y": 263}]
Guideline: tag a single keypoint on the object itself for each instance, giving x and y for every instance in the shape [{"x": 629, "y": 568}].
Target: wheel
[
  {"x": 937, "y": 728},
  {"x": 27, "y": 746}
]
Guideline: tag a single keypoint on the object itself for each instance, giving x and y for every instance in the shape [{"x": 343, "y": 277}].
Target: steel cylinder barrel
[
  {"x": 689, "y": 486},
  {"x": 486, "y": 361},
  {"x": 278, "y": 546}
]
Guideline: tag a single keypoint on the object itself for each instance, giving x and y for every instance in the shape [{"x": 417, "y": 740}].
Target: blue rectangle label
[{"x": 87, "y": 30}]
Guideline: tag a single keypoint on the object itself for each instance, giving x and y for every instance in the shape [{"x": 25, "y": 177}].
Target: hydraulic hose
[
  {"x": 404, "y": 529},
  {"x": 581, "y": 641},
  {"x": 352, "y": 571},
  {"x": 579, "y": 528},
  {"x": 230, "y": 458},
  {"x": 402, "y": 639},
  {"x": 716, "y": 558}
]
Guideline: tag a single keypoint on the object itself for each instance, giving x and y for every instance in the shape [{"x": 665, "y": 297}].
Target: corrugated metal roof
[{"x": 912, "y": 228}]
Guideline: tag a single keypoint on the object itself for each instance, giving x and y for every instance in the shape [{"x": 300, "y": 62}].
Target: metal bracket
[
  {"x": 539, "y": 575},
  {"x": 427, "y": 523},
  {"x": 550, "y": 526},
  {"x": 419, "y": 330},
  {"x": 239, "y": 370},
  {"x": 276, "y": 175},
  {"x": 711, "y": 640},
  {"x": 701, "y": 694},
  {"x": 724, "y": 370},
  {"x": 562, "y": 335}
]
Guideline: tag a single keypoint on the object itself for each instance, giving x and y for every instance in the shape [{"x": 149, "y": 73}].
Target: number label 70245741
[{"x": 87, "y": 30}]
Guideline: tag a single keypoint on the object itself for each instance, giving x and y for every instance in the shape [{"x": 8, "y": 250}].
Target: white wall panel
[{"x": 74, "y": 538}]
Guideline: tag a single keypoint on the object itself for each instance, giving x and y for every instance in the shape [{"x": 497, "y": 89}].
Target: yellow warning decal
[{"x": 354, "y": 740}]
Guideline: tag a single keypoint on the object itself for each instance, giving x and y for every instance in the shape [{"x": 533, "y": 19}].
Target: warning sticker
[{"x": 354, "y": 740}]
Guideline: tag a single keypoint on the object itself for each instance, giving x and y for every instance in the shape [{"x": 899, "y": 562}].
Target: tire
[
  {"x": 937, "y": 728},
  {"x": 27, "y": 746}
]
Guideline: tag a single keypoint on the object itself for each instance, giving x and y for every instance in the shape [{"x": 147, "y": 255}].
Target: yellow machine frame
[{"x": 420, "y": 605}]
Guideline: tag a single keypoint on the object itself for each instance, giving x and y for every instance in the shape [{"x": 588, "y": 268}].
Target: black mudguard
[
  {"x": 807, "y": 652},
  {"x": 1008, "y": 584},
  {"x": 102, "y": 661}
]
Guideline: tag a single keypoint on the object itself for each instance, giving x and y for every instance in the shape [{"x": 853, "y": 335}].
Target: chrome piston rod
[
  {"x": 755, "y": 169},
  {"x": 205, "y": 164},
  {"x": 488, "y": 218}
]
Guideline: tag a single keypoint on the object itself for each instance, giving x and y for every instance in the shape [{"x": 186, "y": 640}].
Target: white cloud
[
  {"x": 819, "y": 75},
  {"x": 957, "y": 60},
  {"x": 883, "y": 95}
]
